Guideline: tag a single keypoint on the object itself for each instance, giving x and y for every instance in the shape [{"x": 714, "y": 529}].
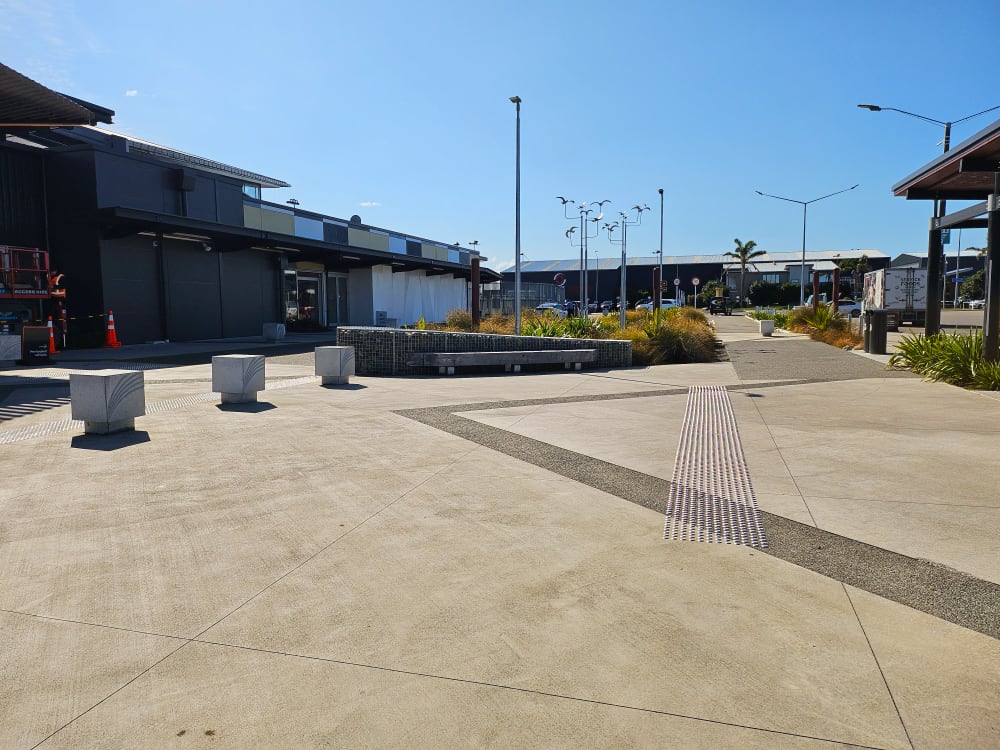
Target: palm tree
[{"x": 744, "y": 253}]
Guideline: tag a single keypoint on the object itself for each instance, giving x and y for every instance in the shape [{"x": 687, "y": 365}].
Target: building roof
[
  {"x": 137, "y": 145},
  {"x": 24, "y": 102},
  {"x": 812, "y": 257}
]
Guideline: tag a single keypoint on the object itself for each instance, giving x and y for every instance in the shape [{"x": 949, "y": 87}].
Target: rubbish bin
[{"x": 875, "y": 331}]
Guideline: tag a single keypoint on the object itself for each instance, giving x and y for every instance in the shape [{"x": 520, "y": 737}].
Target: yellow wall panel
[
  {"x": 363, "y": 238},
  {"x": 273, "y": 221}
]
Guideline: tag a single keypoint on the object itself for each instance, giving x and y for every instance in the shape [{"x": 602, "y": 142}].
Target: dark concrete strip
[{"x": 945, "y": 593}]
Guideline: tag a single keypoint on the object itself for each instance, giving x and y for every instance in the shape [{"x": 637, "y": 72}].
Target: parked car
[
  {"x": 975, "y": 304},
  {"x": 720, "y": 306},
  {"x": 607, "y": 306},
  {"x": 664, "y": 304},
  {"x": 552, "y": 308},
  {"x": 849, "y": 307}
]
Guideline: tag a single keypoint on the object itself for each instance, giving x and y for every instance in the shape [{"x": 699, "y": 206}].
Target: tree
[
  {"x": 857, "y": 267},
  {"x": 744, "y": 254},
  {"x": 974, "y": 287}
]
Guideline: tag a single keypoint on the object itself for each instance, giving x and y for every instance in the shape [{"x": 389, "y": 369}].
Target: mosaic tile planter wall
[{"x": 383, "y": 351}]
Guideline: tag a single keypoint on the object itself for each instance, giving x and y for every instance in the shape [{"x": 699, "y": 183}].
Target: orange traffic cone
[
  {"x": 52, "y": 338},
  {"x": 111, "y": 339}
]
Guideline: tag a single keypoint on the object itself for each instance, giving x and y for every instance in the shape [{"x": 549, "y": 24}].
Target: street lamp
[
  {"x": 516, "y": 101},
  {"x": 932, "y": 323},
  {"x": 660, "y": 290},
  {"x": 805, "y": 206},
  {"x": 625, "y": 224},
  {"x": 584, "y": 214}
]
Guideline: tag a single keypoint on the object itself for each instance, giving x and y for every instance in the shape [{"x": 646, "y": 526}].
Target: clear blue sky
[{"x": 399, "y": 111}]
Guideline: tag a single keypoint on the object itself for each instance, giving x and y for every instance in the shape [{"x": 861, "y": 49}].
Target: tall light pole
[
  {"x": 659, "y": 292},
  {"x": 935, "y": 248},
  {"x": 805, "y": 207},
  {"x": 625, "y": 224},
  {"x": 584, "y": 213},
  {"x": 516, "y": 100}
]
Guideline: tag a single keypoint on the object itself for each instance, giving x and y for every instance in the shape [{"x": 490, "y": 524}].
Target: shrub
[
  {"x": 948, "y": 358},
  {"x": 458, "y": 320},
  {"x": 804, "y": 320},
  {"x": 497, "y": 324},
  {"x": 546, "y": 325}
]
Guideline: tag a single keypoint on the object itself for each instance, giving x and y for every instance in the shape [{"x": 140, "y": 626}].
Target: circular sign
[
  {"x": 559, "y": 279},
  {"x": 695, "y": 281},
  {"x": 677, "y": 282}
]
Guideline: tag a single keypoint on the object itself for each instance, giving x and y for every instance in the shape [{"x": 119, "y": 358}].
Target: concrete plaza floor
[{"x": 478, "y": 561}]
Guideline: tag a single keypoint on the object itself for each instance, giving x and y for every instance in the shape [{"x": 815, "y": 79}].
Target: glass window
[{"x": 252, "y": 191}]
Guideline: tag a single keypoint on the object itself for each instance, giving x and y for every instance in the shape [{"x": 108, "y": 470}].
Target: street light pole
[
  {"x": 659, "y": 292},
  {"x": 516, "y": 100},
  {"x": 625, "y": 224},
  {"x": 584, "y": 236},
  {"x": 935, "y": 248},
  {"x": 805, "y": 206}
]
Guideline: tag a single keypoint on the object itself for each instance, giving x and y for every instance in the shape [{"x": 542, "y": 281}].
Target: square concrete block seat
[
  {"x": 107, "y": 400},
  {"x": 335, "y": 364},
  {"x": 274, "y": 331},
  {"x": 238, "y": 377},
  {"x": 766, "y": 327}
]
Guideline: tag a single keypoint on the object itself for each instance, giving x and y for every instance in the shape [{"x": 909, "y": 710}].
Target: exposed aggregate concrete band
[{"x": 940, "y": 591}]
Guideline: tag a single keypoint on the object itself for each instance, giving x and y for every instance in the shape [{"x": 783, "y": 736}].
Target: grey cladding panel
[{"x": 334, "y": 233}]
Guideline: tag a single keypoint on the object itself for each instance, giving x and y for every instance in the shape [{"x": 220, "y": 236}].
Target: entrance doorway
[
  {"x": 304, "y": 301},
  {"x": 336, "y": 300}
]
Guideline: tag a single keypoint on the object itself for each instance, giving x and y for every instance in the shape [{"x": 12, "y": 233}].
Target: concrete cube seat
[
  {"x": 335, "y": 364},
  {"x": 238, "y": 377},
  {"x": 274, "y": 331},
  {"x": 107, "y": 400}
]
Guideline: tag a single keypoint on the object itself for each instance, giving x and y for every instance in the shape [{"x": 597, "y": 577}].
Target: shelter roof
[
  {"x": 949, "y": 175},
  {"x": 25, "y": 102}
]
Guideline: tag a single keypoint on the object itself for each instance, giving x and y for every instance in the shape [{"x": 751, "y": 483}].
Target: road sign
[
  {"x": 945, "y": 236},
  {"x": 696, "y": 281},
  {"x": 663, "y": 286},
  {"x": 677, "y": 282}
]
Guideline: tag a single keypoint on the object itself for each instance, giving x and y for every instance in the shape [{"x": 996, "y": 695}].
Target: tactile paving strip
[
  {"x": 155, "y": 407},
  {"x": 711, "y": 498}
]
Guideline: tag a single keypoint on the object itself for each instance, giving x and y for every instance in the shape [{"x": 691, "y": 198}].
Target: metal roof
[
  {"x": 138, "y": 145},
  {"x": 943, "y": 177},
  {"x": 782, "y": 258},
  {"x": 24, "y": 102}
]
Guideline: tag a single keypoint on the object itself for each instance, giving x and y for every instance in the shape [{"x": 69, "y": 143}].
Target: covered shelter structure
[{"x": 968, "y": 172}]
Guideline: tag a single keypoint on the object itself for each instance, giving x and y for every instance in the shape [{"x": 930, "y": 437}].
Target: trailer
[{"x": 900, "y": 292}]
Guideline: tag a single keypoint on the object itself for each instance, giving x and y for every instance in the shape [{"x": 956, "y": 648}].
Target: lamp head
[
  {"x": 872, "y": 107},
  {"x": 515, "y": 100},
  {"x": 660, "y": 191}
]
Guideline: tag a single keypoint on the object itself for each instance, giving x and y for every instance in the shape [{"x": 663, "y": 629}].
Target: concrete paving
[{"x": 478, "y": 561}]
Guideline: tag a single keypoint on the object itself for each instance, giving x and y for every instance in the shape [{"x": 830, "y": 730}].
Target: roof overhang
[
  {"x": 24, "y": 102},
  {"x": 122, "y": 222},
  {"x": 962, "y": 173}
]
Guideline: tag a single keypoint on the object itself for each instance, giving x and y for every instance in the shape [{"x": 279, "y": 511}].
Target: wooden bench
[{"x": 446, "y": 362}]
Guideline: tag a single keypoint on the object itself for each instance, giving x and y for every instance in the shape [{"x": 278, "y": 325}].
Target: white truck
[{"x": 901, "y": 292}]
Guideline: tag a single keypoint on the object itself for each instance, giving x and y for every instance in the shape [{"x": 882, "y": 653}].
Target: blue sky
[{"x": 400, "y": 112}]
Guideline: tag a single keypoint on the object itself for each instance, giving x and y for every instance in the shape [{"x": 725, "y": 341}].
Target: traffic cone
[
  {"x": 52, "y": 338},
  {"x": 111, "y": 339}
]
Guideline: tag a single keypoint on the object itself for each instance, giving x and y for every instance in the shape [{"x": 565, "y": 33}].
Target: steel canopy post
[{"x": 991, "y": 322}]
